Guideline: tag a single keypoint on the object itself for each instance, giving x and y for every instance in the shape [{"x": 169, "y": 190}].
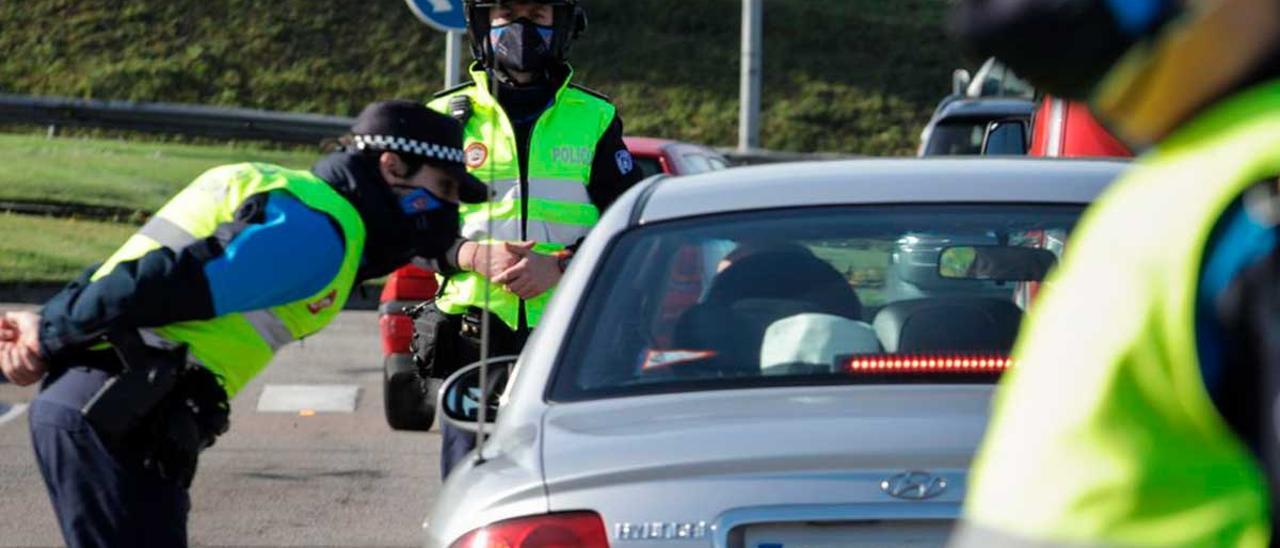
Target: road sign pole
[
  {"x": 453, "y": 59},
  {"x": 447, "y": 16},
  {"x": 749, "y": 94}
]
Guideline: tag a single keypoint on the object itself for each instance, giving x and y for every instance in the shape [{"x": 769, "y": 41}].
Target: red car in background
[
  {"x": 1058, "y": 128},
  {"x": 408, "y": 400},
  {"x": 1067, "y": 129},
  {"x": 655, "y": 156}
]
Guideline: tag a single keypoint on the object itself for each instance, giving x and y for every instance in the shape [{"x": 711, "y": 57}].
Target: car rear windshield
[
  {"x": 885, "y": 294},
  {"x": 962, "y": 138}
]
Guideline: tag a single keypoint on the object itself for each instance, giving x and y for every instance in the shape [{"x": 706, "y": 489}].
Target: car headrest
[
  {"x": 806, "y": 343},
  {"x": 948, "y": 324},
  {"x": 707, "y": 326},
  {"x": 787, "y": 275}
]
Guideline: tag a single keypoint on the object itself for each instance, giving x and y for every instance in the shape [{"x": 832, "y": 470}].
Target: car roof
[
  {"x": 879, "y": 181},
  {"x": 986, "y": 107},
  {"x": 646, "y": 146}
]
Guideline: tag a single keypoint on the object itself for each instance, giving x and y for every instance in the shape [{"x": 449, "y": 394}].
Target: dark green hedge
[{"x": 854, "y": 76}]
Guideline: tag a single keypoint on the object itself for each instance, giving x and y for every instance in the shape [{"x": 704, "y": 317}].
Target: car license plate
[{"x": 875, "y": 534}]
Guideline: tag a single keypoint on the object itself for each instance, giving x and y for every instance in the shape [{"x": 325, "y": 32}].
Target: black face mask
[
  {"x": 522, "y": 46},
  {"x": 393, "y": 237}
]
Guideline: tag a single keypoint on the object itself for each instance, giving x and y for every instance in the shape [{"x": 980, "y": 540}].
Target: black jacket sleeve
[
  {"x": 613, "y": 171},
  {"x": 161, "y": 287},
  {"x": 158, "y": 288},
  {"x": 446, "y": 263}
]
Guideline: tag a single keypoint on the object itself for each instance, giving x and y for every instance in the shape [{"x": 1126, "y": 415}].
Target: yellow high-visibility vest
[
  {"x": 1104, "y": 433},
  {"x": 236, "y": 347},
  {"x": 561, "y": 151}
]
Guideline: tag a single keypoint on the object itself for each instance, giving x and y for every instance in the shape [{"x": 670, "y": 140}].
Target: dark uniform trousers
[
  {"x": 455, "y": 442},
  {"x": 102, "y": 496}
]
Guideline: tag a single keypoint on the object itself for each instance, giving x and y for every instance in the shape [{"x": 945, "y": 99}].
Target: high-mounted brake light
[
  {"x": 574, "y": 529},
  {"x": 926, "y": 363}
]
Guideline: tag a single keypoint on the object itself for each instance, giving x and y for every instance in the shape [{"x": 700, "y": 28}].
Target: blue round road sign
[{"x": 444, "y": 15}]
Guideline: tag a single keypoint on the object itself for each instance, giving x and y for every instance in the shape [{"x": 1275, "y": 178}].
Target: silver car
[{"x": 789, "y": 355}]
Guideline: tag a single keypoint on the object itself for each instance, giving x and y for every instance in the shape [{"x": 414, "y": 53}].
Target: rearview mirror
[
  {"x": 461, "y": 393},
  {"x": 1005, "y": 138},
  {"x": 995, "y": 263}
]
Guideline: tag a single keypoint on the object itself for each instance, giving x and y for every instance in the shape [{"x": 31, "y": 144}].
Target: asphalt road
[{"x": 277, "y": 478}]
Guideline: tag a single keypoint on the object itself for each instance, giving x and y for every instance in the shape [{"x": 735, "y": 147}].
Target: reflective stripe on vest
[
  {"x": 271, "y": 328},
  {"x": 1104, "y": 433},
  {"x": 559, "y": 209},
  {"x": 235, "y": 347},
  {"x": 170, "y": 235},
  {"x": 167, "y": 234}
]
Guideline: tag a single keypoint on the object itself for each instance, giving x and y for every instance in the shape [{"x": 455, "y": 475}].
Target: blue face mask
[
  {"x": 431, "y": 223},
  {"x": 420, "y": 200}
]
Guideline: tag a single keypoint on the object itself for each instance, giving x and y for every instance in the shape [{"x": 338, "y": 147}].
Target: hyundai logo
[{"x": 914, "y": 485}]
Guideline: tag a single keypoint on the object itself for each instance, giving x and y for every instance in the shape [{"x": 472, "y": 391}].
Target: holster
[
  {"x": 160, "y": 405},
  {"x": 435, "y": 342}
]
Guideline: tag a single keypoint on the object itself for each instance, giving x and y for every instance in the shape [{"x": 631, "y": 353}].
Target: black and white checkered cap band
[{"x": 409, "y": 146}]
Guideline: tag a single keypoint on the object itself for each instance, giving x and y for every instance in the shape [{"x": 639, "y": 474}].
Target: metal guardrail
[
  {"x": 172, "y": 118},
  {"x": 239, "y": 123}
]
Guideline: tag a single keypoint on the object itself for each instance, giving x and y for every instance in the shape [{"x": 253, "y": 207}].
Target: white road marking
[
  {"x": 321, "y": 398},
  {"x": 10, "y": 412}
]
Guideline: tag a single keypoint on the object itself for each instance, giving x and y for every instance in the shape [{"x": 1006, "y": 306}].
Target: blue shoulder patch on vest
[
  {"x": 625, "y": 162},
  {"x": 291, "y": 255}
]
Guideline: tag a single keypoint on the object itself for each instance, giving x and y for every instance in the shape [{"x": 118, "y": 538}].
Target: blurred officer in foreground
[
  {"x": 141, "y": 354},
  {"x": 1141, "y": 408},
  {"x": 553, "y": 155}
]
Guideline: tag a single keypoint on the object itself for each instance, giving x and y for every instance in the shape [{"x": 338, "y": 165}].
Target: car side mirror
[
  {"x": 995, "y": 263},
  {"x": 460, "y": 394},
  {"x": 960, "y": 79},
  {"x": 1005, "y": 138}
]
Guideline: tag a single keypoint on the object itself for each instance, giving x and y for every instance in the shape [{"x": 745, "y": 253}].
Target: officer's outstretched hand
[
  {"x": 487, "y": 260},
  {"x": 20, "y": 359},
  {"x": 533, "y": 275}
]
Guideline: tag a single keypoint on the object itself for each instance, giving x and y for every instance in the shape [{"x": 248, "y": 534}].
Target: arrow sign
[{"x": 443, "y": 15}]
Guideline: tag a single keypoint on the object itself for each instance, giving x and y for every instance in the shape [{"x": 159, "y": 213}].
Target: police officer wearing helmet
[
  {"x": 1142, "y": 406},
  {"x": 552, "y": 154},
  {"x": 141, "y": 354}
]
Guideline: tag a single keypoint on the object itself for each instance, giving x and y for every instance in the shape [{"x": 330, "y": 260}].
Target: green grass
[
  {"x": 138, "y": 176},
  {"x": 42, "y": 249},
  {"x": 857, "y": 76}
]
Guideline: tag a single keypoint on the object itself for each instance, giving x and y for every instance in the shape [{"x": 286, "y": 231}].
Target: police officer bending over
[
  {"x": 552, "y": 152},
  {"x": 141, "y": 354}
]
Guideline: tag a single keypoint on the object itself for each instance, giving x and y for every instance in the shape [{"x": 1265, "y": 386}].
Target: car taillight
[
  {"x": 397, "y": 331},
  {"x": 926, "y": 363},
  {"x": 575, "y": 529}
]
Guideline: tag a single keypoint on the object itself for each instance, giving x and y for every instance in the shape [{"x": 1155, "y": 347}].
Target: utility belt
[
  {"x": 443, "y": 343},
  {"x": 160, "y": 404}
]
